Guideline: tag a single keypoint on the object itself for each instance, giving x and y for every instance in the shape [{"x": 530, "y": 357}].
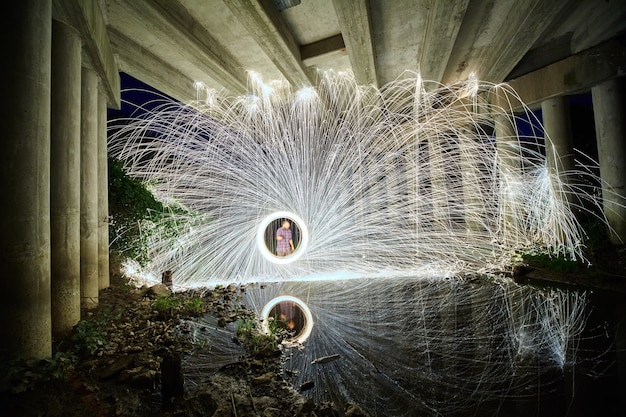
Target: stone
[
  {"x": 264, "y": 379},
  {"x": 117, "y": 366},
  {"x": 158, "y": 290},
  {"x": 307, "y": 407},
  {"x": 353, "y": 410},
  {"x": 172, "y": 380},
  {"x": 307, "y": 386}
]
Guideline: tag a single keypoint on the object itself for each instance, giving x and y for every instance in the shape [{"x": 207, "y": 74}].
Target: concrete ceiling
[{"x": 170, "y": 44}]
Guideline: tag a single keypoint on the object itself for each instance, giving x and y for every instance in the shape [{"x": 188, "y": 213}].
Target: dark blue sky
[{"x": 136, "y": 93}]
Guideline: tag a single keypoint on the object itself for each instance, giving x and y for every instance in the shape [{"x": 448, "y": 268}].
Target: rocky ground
[{"x": 124, "y": 359}]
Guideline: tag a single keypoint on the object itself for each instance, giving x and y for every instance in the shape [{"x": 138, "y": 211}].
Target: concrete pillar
[
  {"x": 103, "y": 196},
  {"x": 609, "y": 108},
  {"x": 559, "y": 150},
  {"x": 65, "y": 178},
  {"x": 507, "y": 144},
  {"x": 473, "y": 206},
  {"x": 507, "y": 147},
  {"x": 439, "y": 188},
  {"x": 558, "y": 128},
  {"x": 25, "y": 326},
  {"x": 89, "y": 189}
]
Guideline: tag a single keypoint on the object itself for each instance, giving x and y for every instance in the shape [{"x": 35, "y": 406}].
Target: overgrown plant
[
  {"x": 19, "y": 375},
  {"x": 88, "y": 337},
  {"x": 171, "y": 305},
  {"x": 130, "y": 203},
  {"x": 137, "y": 217},
  {"x": 256, "y": 341}
]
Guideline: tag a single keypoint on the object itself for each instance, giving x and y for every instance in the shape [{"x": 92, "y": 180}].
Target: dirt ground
[{"x": 124, "y": 359}]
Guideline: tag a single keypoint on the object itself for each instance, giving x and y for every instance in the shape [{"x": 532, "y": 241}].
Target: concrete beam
[
  {"x": 103, "y": 196},
  {"x": 443, "y": 23},
  {"x": 134, "y": 60},
  {"x": 313, "y": 51},
  {"x": 356, "y": 28},
  {"x": 575, "y": 74},
  {"x": 495, "y": 36},
  {"x": 86, "y": 17},
  {"x": 224, "y": 68},
  {"x": 168, "y": 24},
  {"x": 272, "y": 34}
]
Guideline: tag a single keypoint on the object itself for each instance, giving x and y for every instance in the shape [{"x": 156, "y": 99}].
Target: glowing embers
[
  {"x": 275, "y": 233},
  {"x": 291, "y": 314}
]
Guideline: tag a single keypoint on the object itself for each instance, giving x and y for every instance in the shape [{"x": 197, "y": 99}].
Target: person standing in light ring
[{"x": 284, "y": 241}]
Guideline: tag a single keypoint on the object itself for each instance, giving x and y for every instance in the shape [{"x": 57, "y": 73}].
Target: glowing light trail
[
  {"x": 410, "y": 178},
  {"x": 401, "y": 187}
]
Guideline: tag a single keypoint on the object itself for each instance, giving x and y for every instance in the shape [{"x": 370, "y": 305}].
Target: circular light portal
[
  {"x": 267, "y": 250},
  {"x": 292, "y": 314}
]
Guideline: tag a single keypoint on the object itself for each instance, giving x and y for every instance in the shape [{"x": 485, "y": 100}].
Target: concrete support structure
[
  {"x": 103, "y": 196},
  {"x": 609, "y": 103},
  {"x": 65, "y": 178},
  {"x": 438, "y": 183},
  {"x": 558, "y": 128},
  {"x": 265, "y": 24},
  {"x": 559, "y": 145},
  {"x": 25, "y": 324},
  {"x": 507, "y": 147},
  {"x": 89, "y": 189},
  {"x": 355, "y": 18}
]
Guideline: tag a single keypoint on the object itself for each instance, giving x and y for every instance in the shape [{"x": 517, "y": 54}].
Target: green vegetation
[
  {"x": 172, "y": 305},
  {"x": 88, "y": 337},
  {"x": 20, "y": 375},
  {"x": 130, "y": 203},
  {"x": 557, "y": 263},
  {"x": 256, "y": 341},
  {"x": 597, "y": 246},
  {"x": 137, "y": 217}
]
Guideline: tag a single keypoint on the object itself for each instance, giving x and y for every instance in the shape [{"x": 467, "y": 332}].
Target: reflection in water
[
  {"x": 396, "y": 181},
  {"x": 288, "y": 316},
  {"x": 445, "y": 347}
]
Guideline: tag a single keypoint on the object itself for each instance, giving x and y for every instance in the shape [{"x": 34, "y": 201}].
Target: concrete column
[
  {"x": 103, "y": 196},
  {"x": 507, "y": 147},
  {"x": 609, "y": 108},
  {"x": 506, "y": 144},
  {"x": 439, "y": 188},
  {"x": 65, "y": 178},
  {"x": 473, "y": 206},
  {"x": 558, "y": 128},
  {"x": 471, "y": 202},
  {"x": 89, "y": 189},
  {"x": 559, "y": 149},
  {"x": 25, "y": 325}
]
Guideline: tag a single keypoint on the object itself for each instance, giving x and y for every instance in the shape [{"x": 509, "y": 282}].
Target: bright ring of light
[
  {"x": 308, "y": 324},
  {"x": 260, "y": 237}
]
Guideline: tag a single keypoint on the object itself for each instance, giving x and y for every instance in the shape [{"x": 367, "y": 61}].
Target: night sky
[{"x": 137, "y": 94}]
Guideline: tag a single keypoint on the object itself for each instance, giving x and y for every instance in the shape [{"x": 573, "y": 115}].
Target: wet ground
[{"x": 131, "y": 357}]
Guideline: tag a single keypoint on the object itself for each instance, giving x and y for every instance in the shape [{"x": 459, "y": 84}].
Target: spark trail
[
  {"x": 431, "y": 347},
  {"x": 404, "y": 180},
  {"x": 402, "y": 187}
]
